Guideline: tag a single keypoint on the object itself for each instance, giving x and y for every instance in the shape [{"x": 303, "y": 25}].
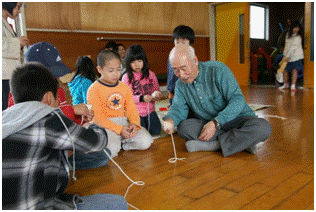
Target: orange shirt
[{"x": 110, "y": 101}]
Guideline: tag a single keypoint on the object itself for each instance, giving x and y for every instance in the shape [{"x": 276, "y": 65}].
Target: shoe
[
  {"x": 293, "y": 87},
  {"x": 285, "y": 86},
  {"x": 253, "y": 149}
]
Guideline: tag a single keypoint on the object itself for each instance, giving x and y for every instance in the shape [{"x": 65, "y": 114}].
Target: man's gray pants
[{"x": 234, "y": 136}]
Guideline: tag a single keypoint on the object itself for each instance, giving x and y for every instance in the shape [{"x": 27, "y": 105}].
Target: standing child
[
  {"x": 114, "y": 108},
  {"x": 35, "y": 139},
  {"x": 181, "y": 35},
  {"x": 143, "y": 83},
  {"x": 294, "y": 55},
  {"x": 82, "y": 80}
]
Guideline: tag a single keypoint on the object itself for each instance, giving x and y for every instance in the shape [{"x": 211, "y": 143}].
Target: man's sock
[
  {"x": 196, "y": 145},
  {"x": 252, "y": 149}
]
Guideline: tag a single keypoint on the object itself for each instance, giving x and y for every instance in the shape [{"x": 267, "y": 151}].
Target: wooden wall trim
[{"x": 105, "y": 32}]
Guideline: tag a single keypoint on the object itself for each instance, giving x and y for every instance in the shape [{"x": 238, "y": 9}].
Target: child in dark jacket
[{"x": 35, "y": 140}]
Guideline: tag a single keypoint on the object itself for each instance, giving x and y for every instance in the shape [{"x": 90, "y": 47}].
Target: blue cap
[{"x": 48, "y": 55}]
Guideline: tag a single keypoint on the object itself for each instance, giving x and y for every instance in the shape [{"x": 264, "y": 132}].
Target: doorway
[{"x": 230, "y": 37}]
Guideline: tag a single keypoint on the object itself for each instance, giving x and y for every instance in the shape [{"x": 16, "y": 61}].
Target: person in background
[
  {"x": 114, "y": 108},
  {"x": 111, "y": 45},
  {"x": 181, "y": 35},
  {"x": 223, "y": 120},
  {"x": 121, "y": 51},
  {"x": 85, "y": 75},
  {"x": 12, "y": 47},
  {"x": 143, "y": 83},
  {"x": 294, "y": 55},
  {"x": 35, "y": 140}
]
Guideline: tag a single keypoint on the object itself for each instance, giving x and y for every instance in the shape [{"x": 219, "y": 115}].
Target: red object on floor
[{"x": 163, "y": 109}]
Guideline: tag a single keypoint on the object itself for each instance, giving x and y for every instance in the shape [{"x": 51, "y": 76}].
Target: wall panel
[{"x": 139, "y": 17}]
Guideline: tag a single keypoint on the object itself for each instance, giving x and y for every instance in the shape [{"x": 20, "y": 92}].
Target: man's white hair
[{"x": 190, "y": 51}]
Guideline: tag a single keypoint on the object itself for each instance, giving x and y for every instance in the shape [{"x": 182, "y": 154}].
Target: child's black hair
[
  {"x": 86, "y": 68},
  {"x": 136, "y": 52},
  {"x": 111, "y": 44},
  {"x": 120, "y": 44},
  {"x": 31, "y": 81},
  {"x": 106, "y": 55},
  {"x": 184, "y": 32},
  {"x": 294, "y": 24}
]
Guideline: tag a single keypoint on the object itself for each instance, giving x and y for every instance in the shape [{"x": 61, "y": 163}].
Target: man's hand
[
  {"x": 208, "y": 131},
  {"x": 23, "y": 41},
  {"x": 168, "y": 126}
]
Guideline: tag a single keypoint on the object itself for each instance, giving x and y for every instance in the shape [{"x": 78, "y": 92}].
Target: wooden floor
[{"x": 280, "y": 176}]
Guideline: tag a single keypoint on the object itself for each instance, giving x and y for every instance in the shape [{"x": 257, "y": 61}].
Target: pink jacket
[{"x": 143, "y": 87}]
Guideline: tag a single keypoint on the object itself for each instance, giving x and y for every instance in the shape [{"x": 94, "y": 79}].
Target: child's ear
[
  {"x": 49, "y": 99},
  {"x": 99, "y": 69}
]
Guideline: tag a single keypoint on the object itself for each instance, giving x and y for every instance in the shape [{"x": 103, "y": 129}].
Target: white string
[
  {"x": 139, "y": 183},
  {"x": 173, "y": 160},
  {"x": 73, "y": 147},
  {"x": 148, "y": 117},
  {"x": 274, "y": 116}
]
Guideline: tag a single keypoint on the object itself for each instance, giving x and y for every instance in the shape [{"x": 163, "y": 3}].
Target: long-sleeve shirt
[
  {"x": 35, "y": 171},
  {"x": 215, "y": 93},
  {"x": 293, "y": 48},
  {"x": 171, "y": 79},
  {"x": 67, "y": 109},
  {"x": 143, "y": 87},
  {"x": 110, "y": 101},
  {"x": 78, "y": 88}
]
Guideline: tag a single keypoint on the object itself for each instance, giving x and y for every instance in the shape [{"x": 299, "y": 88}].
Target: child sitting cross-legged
[{"x": 114, "y": 108}]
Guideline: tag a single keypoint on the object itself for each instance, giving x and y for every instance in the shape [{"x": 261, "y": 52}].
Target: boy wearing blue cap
[{"x": 48, "y": 55}]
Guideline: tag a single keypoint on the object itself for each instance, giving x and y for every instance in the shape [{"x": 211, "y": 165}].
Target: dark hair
[
  {"x": 9, "y": 6},
  {"x": 106, "y": 55},
  {"x": 292, "y": 26},
  {"x": 111, "y": 44},
  {"x": 120, "y": 44},
  {"x": 183, "y": 32},
  {"x": 136, "y": 52},
  {"x": 31, "y": 81},
  {"x": 86, "y": 68}
]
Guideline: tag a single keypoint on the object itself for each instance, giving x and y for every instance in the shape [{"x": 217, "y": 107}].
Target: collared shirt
[{"x": 215, "y": 93}]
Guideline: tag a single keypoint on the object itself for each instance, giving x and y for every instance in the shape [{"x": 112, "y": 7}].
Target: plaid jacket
[{"x": 34, "y": 162}]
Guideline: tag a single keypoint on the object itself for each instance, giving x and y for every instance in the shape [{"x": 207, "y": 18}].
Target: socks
[
  {"x": 196, "y": 145},
  {"x": 252, "y": 149}
]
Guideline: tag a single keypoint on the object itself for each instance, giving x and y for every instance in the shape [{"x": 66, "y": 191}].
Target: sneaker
[
  {"x": 293, "y": 87},
  {"x": 285, "y": 86}
]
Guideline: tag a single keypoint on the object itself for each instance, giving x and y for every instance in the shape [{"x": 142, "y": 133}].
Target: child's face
[
  {"x": 137, "y": 65},
  {"x": 111, "y": 72},
  {"x": 181, "y": 41},
  {"x": 121, "y": 51}
]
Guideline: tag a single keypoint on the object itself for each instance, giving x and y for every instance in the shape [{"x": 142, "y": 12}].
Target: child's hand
[
  {"x": 156, "y": 96},
  {"x": 125, "y": 133},
  {"x": 81, "y": 109},
  {"x": 88, "y": 116},
  {"x": 134, "y": 130},
  {"x": 148, "y": 98}
]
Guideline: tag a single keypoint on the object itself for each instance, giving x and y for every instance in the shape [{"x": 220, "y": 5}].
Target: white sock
[{"x": 197, "y": 145}]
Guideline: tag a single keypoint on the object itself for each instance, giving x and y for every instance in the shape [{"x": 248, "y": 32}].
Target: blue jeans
[
  {"x": 102, "y": 202},
  {"x": 154, "y": 126},
  {"x": 90, "y": 160}
]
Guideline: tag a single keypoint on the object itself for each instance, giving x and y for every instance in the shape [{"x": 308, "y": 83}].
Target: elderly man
[{"x": 223, "y": 120}]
